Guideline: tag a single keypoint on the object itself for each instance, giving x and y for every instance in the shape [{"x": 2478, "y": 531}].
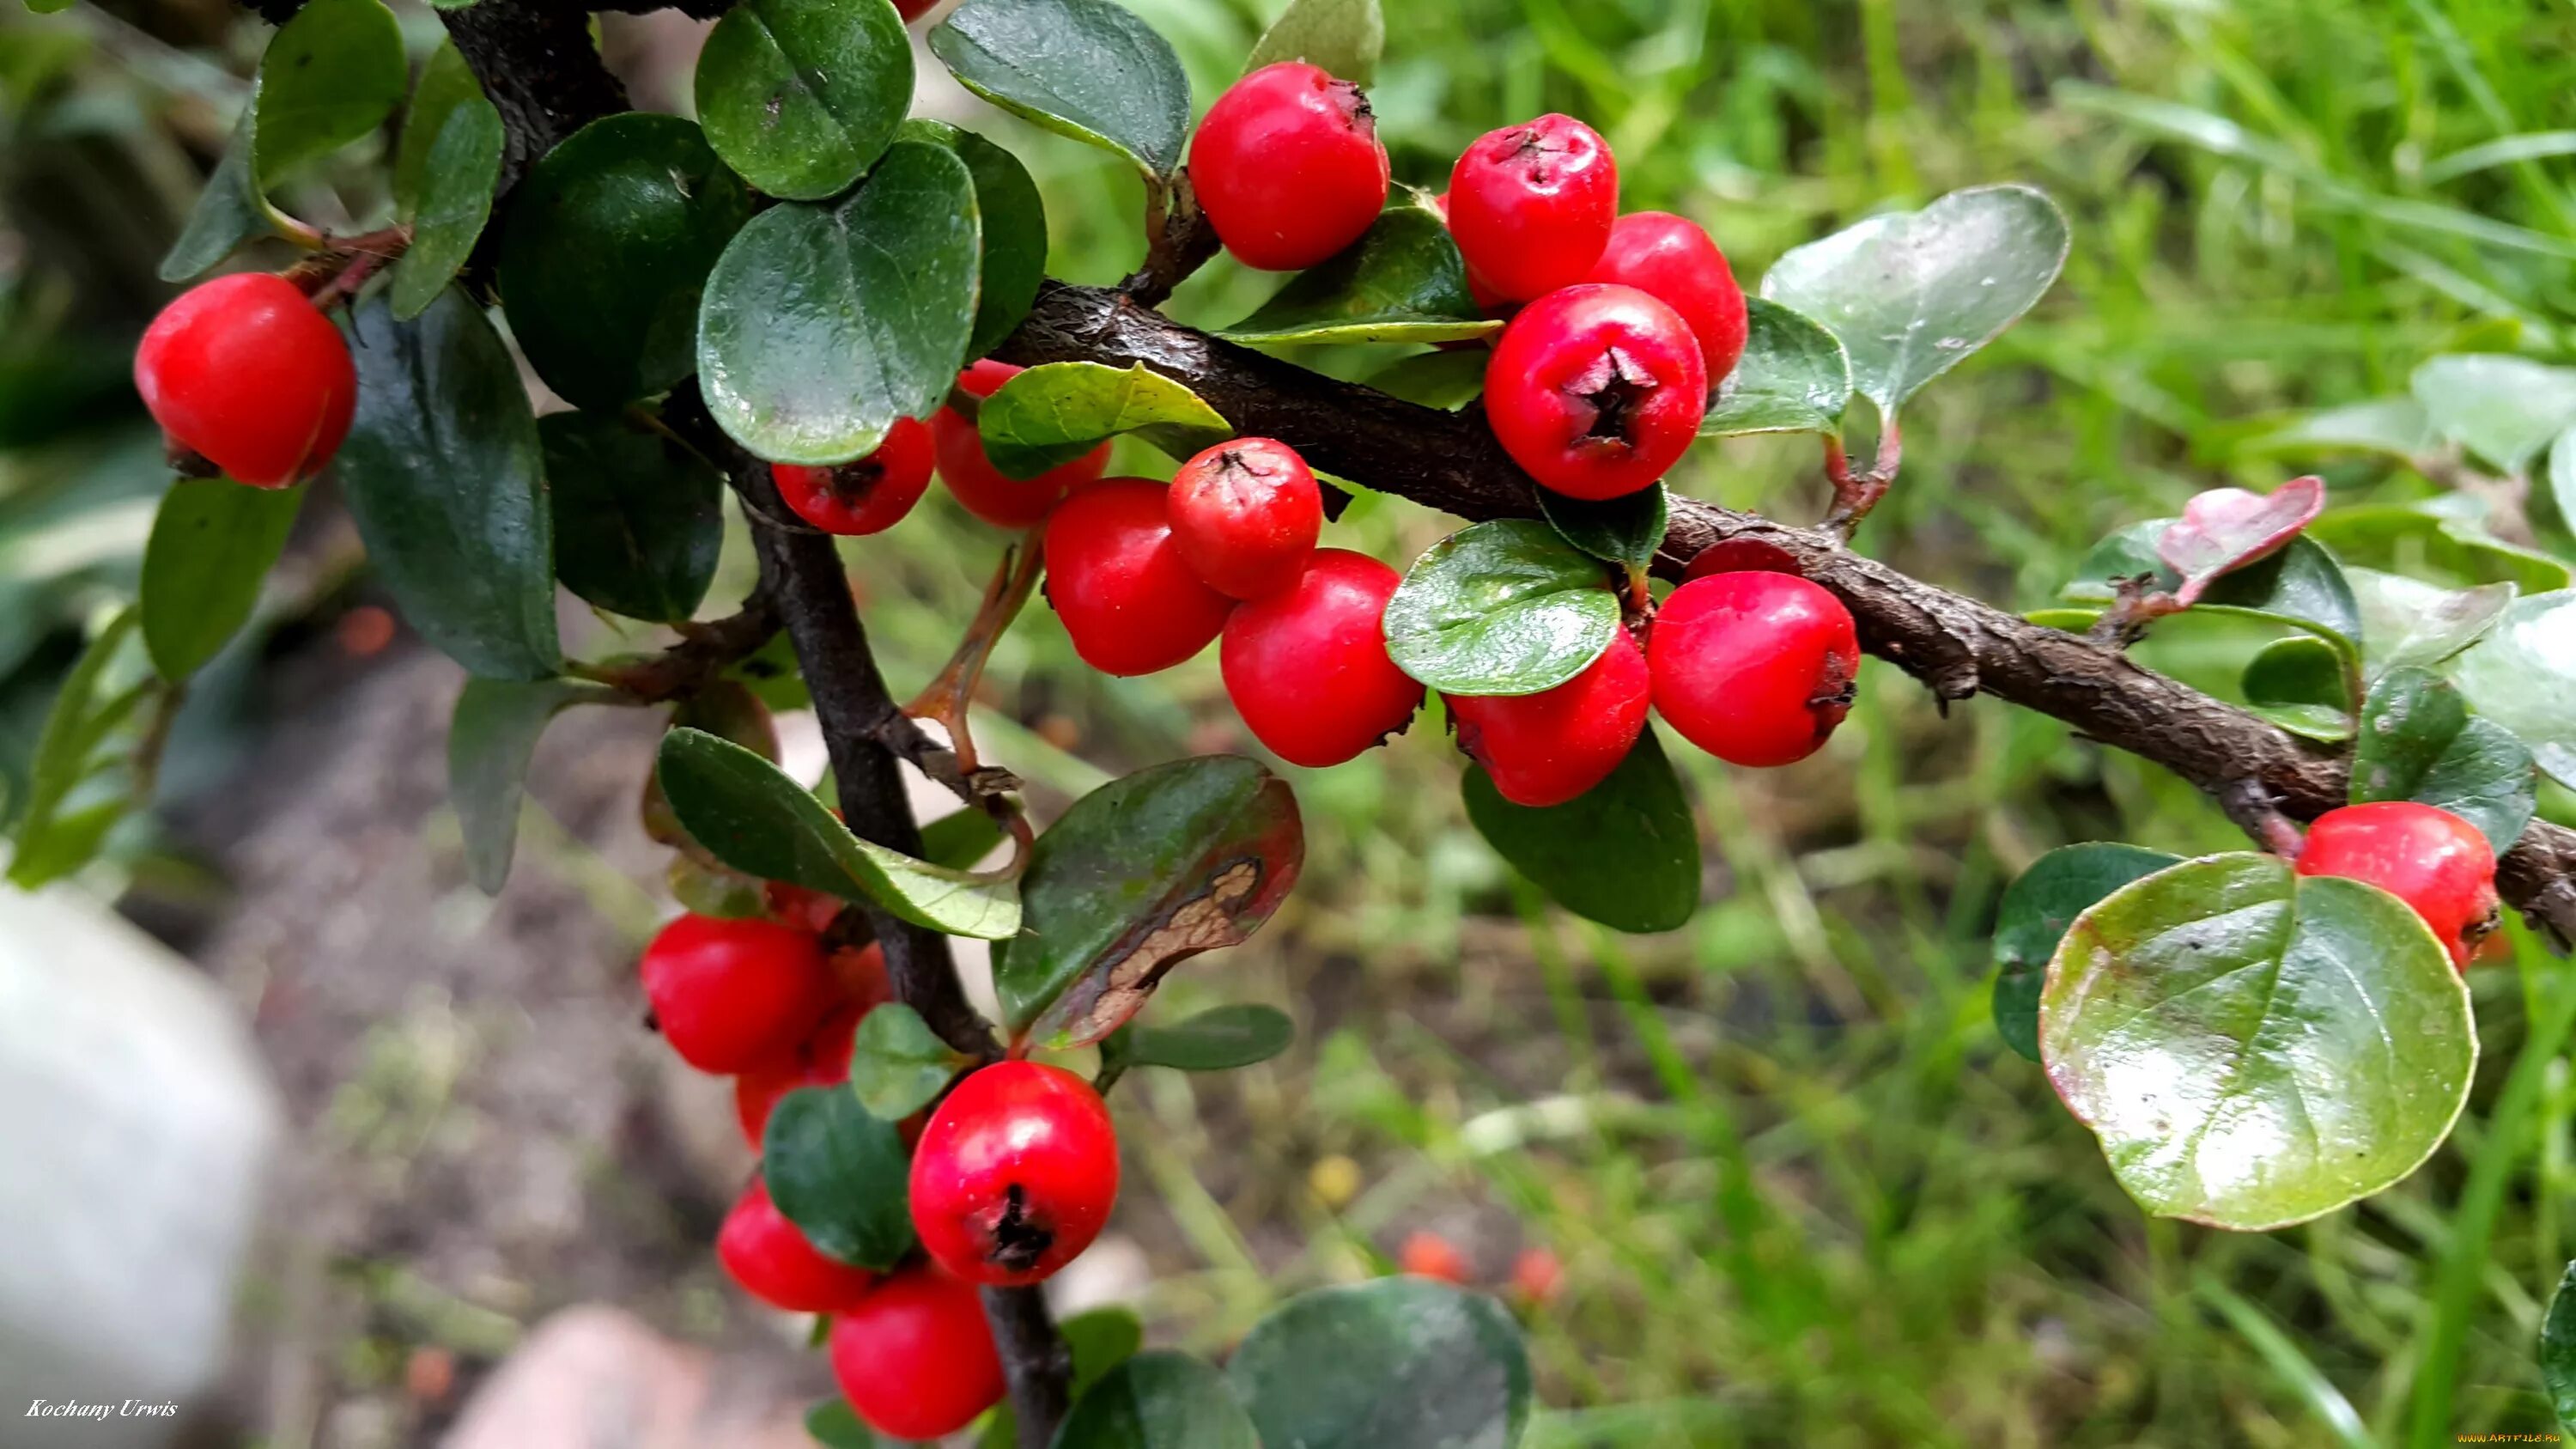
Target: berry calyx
[
  {"x": 915, "y": 1358},
  {"x": 821, "y": 1060},
  {"x": 2431, "y": 859},
  {"x": 1532, "y": 206},
  {"x": 1288, "y": 167},
  {"x": 1245, "y": 516},
  {"x": 1596, "y": 390},
  {"x": 986, "y": 491},
  {"x": 1015, "y": 1174},
  {"x": 1672, "y": 260},
  {"x": 1547, "y": 748},
  {"x": 1755, "y": 668},
  {"x": 868, "y": 496},
  {"x": 770, "y": 1258},
  {"x": 1128, "y": 599},
  {"x": 729, "y": 993},
  {"x": 1307, "y": 667},
  {"x": 1429, "y": 1255},
  {"x": 244, "y": 371}
]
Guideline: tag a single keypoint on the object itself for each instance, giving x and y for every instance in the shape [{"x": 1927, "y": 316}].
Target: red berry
[
  {"x": 247, "y": 373},
  {"x": 1429, "y": 1255},
  {"x": 1755, "y": 668},
  {"x": 1739, "y": 555},
  {"x": 915, "y": 1358},
  {"x": 1245, "y": 516},
  {"x": 1126, "y": 596},
  {"x": 1532, "y": 205},
  {"x": 728, "y": 994},
  {"x": 821, "y": 1060},
  {"x": 1596, "y": 390},
  {"x": 1288, "y": 167},
  {"x": 806, "y": 910},
  {"x": 1488, "y": 302},
  {"x": 1015, "y": 1174},
  {"x": 987, "y": 492},
  {"x": 2429, "y": 858},
  {"x": 1307, "y": 668},
  {"x": 1546, "y": 748},
  {"x": 1673, "y": 261},
  {"x": 868, "y": 496},
  {"x": 1536, "y": 1275},
  {"x": 912, "y": 10},
  {"x": 770, "y": 1258}
]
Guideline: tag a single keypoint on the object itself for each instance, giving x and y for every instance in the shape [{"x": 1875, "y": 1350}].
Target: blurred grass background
[{"x": 1803, "y": 1193}]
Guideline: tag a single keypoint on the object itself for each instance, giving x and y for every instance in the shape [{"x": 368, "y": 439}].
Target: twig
[{"x": 704, "y": 652}]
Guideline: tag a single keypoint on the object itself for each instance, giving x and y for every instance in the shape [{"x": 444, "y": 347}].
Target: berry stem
[
  {"x": 950, "y": 698},
  {"x": 1856, "y": 494}
]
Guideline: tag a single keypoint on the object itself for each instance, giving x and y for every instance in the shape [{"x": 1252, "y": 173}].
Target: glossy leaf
[
  {"x": 1014, "y": 230},
  {"x": 442, "y": 472},
  {"x": 2522, "y": 675},
  {"x": 2226, "y": 529},
  {"x": 1794, "y": 377},
  {"x": 609, "y": 242},
  {"x": 822, "y": 327},
  {"x": 1504, "y": 607},
  {"x": 2405, "y": 622},
  {"x": 1403, "y": 281},
  {"x": 835, "y": 1425},
  {"x": 2391, "y": 427},
  {"x": 2419, "y": 742},
  {"x": 2429, "y": 538},
  {"x": 1088, "y": 69},
  {"x": 960, "y": 838},
  {"x": 2501, "y": 408},
  {"x": 331, "y": 75},
  {"x": 2304, "y": 685},
  {"x": 1625, "y": 853},
  {"x": 490, "y": 740},
  {"x": 750, "y": 815},
  {"x": 1444, "y": 380},
  {"x": 71, "y": 803},
  {"x": 1216, "y": 1040},
  {"x": 211, "y": 546},
  {"x": 464, "y": 166},
  {"x": 1345, "y": 38},
  {"x": 639, "y": 519},
  {"x": 1404, "y": 1361},
  {"x": 2253, "y": 1048},
  {"x": 1625, "y": 531},
  {"x": 1158, "y": 1401},
  {"x": 230, "y": 212},
  {"x": 2558, "y": 1352},
  {"x": 2302, "y": 584},
  {"x": 801, "y": 96},
  {"x": 1050, "y": 415},
  {"x": 897, "y": 1064},
  {"x": 1912, "y": 293},
  {"x": 2033, "y": 917},
  {"x": 1138, "y": 876},
  {"x": 447, "y": 85},
  {"x": 841, "y": 1174}
]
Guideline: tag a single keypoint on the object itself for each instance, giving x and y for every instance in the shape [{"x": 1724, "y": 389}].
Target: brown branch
[
  {"x": 1957, "y": 646},
  {"x": 704, "y": 652}
]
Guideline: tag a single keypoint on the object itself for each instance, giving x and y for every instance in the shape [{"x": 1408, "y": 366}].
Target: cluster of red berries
[
  {"x": 1012, "y": 1176},
  {"x": 2431, "y": 859}
]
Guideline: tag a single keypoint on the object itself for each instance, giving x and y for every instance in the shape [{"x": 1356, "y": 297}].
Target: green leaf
[
  {"x": 835, "y": 1425},
  {"x": 1217, "y": 1040},
  {"x": 456, "y": 200},
  {"x": 703, "y": 889},
  {"x": 1400, "y": 1361},
  {"x": 2417, "y": 538},
  {"x": 750, "y": 815},
  {"x": 840, "y": 1173},
  {"x": 2033, "y": 916},
  {"x": 443, "y": 474},
  {"x": 897, "y": 1064},
  {"x": 2558, "y": 1352},
  {"x": 1158, "y": 1401},
  {"x": 1052, "y": 414},
  {"x": 447, "y": 85},
  {"x": 69, "y": 806},
  {"x": 2503, "y": 409},
  {"x": 1444, "y": 380},
  {"x": 1402, "y": 281},
  {"x": 2304, "y": 685},
  {"x": 1505, "y": 607},
  {"x": 2522, "y": 675},
  {"x": 609, "y": 242},
  {"x": 960, "y": 838},
  {"x": 1912, "y": 293},
  {"x": 2562, "y": 477},
  {"x": 2408, "y": 623},
  {"x": 1014, "y": 226},
  {"x": 1624, "y": 853},
  {"x": 212, "y": 543},
  {"x": 2253, "y": 1048},
  {"x": 229, "y": 213},
  {"x": 822, "y": 327},
  {"x": 2419, "y": 742},
  {"x": 2391, "y": 427},
  {"x": 1138, "y": 876},
  {"x": 1088, "y": 69},
  {"x": 1794, "y": 377},
  {"x": 1343, "y": 38},
  {"x": 489, "y": 743},
  {"x": 2302, "y": 584},
  {"x": 800, "y": 96},
  {"x": 638, "y": 518},
  {"x": 331, "y": 75},
  {"x": 1626, "y": 530}
]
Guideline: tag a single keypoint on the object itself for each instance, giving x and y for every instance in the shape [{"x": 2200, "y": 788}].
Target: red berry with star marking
[
  {"x": 1672, "y": 260},
  {"x": 1755, "y": 668},
  {"x": 728, "y": 994},
  {"x": 1597, "y": 390},
  {"x": 1532, "y": 206},
  {"x": 1128, "y": 598},
  {"x": 916, "y": 1358},
  {"x": 248, "y": 374},
  {"x": 986, "y": 491},
  {"x": 1547, "y": 748},
  {"x": 1307, "y": 667},
  {"x": 1015, "y": 1174},
  {"x": 2431, "y": 859},
  {"x": 868, "y": 496},
  {"x": 770, "y": 1258},
  {"x": 1288, "y": 167},
  {"x": 1245, "y": 516}
]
